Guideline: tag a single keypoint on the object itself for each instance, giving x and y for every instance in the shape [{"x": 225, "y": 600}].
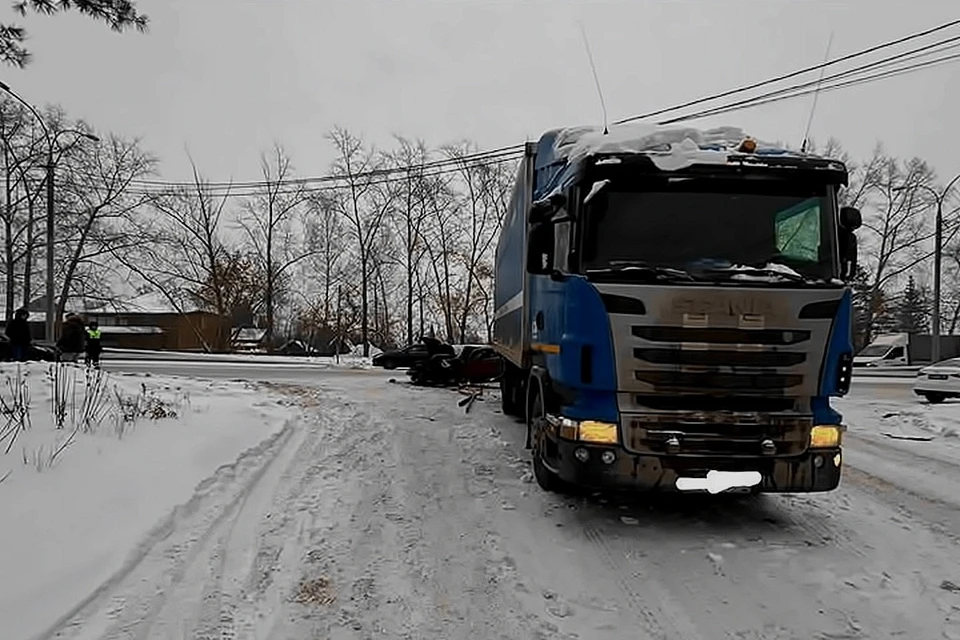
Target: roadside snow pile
[
  {"x": 91, "y": 462},
  {"x": 350, "y": 360},
  {"x": 900, "y": 421},
  {"x": 670, "y": 148}
]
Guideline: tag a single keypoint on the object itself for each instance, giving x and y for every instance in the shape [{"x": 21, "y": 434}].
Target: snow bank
[
  {"x": 905, "y": 421},
  {"x": 70, "y": 520},
  {"x": 670, "y": 148},
  {"x": 351, "y": 360}
]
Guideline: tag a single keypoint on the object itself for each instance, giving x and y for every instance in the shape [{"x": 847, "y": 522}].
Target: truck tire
[
  {"x": 546, "y": 479},
  {"x": 511, "y": 394}
]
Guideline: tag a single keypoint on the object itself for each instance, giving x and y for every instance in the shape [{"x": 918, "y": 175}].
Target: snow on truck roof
[{"x": 670, "y": 148}]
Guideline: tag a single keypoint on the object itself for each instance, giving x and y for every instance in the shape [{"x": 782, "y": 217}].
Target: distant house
[
  {"x": 248, "y": 338},
  {"x": 150, "y": 321}
]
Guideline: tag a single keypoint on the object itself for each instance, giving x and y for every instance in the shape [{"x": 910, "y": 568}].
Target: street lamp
[
  {"x": 937, "y": 260},
  {"x": 51, "y": 322}
]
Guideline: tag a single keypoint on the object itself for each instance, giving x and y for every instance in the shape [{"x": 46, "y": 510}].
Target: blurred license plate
[
  {"x": 937, "y": 376},
  {"x": 720, "y": 481}
]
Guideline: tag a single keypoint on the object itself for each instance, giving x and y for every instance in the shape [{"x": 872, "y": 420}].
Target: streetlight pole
[
  {"x": 51, "y": 307},
  {"x": 937, "y": 264}
]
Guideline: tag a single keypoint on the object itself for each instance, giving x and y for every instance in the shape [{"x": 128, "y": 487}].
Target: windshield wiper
[{"x": 642, "y": 269}]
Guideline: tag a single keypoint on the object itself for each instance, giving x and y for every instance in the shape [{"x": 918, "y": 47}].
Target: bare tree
[
  {"x": 98, "y": 210},
  {"x": 20, "y": 155},
  {"x": 410, "y": 214},
  {"x": 895, "y": 229},
  {"x": 365, "y": 208},
  {"x": 186, "y": 258},
  {"x": 441, "y": 235},
  {"x": 327, "y": 239},
  {"x": 271, "y": 225},
  {"x": 484, "y": 205}
]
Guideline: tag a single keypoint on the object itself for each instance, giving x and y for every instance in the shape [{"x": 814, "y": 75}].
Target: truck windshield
[{"x": 714, "y": 228}]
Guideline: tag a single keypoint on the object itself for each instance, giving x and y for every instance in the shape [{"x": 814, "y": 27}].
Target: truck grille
[
  {"x": 722, "y": 335},
  {"x": 722, "y": 369},
  {"x": 730, "y": 364},
  {"x": 714, "y": 403}
]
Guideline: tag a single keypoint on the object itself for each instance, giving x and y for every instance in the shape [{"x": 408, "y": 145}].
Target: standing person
[
  {"x": 94, "y": 348},
  {"x": 72, "y": 338},
  {"x": 18, "y": 331}
]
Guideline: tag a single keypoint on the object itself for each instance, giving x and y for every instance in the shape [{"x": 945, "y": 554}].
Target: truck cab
[{"x": 673, "y": 312}]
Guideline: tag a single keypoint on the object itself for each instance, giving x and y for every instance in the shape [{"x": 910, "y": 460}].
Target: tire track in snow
[
  {"x": 229, "y": 569},
  {"x": 163, "y": 548},
  {"x": 224, "y": 558}
]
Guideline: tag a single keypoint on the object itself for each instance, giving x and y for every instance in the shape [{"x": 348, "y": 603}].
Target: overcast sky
[{"x": 225, "y": 78}]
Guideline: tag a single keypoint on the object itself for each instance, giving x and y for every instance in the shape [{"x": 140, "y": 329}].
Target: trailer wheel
[
  {"x": 547, "y": 479},
  {"x": 510, "y": 397}
]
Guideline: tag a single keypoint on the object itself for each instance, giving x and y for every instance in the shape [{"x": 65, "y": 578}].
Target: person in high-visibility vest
[{"x": 94, "y": 347}]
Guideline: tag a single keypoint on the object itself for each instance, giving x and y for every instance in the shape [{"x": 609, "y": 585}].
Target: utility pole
[
  {"x": 51, "y": 307},
  {"x": 339, "y": 326}
]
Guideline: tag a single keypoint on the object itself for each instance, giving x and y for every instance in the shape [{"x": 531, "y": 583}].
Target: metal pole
[
  {"x": 339, "y": 326},
  {"x": 51, "y": 324},
  {"x": 937, "y": 259},
  {"x": 937, "y": 267}
]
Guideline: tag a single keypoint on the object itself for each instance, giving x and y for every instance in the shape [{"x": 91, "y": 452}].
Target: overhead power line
[
  {"x": 512, "y": 152},
  {"x": 829, "y": 83},
  {"x": 921, "y": 52},
  {"x": 824, "y": 88},
  {"x": 792, "y": 74},
  {"x": 480, "y": 156},
  {"x": 291, "y": 188}
]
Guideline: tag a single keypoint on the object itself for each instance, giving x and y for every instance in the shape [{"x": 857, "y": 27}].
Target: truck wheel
[
  {"x": 935, "y": 398},
  {"x": 509, "y": 395},
  {"x": 547, "y": 479}
]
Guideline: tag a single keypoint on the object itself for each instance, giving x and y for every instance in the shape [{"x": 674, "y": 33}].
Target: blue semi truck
[{"x": 672, "y": 309}]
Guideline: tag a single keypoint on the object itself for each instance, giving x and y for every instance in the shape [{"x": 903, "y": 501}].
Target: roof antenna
[
  {"x": 816, "y": 95},
  {"x": 596, "y": 78}
]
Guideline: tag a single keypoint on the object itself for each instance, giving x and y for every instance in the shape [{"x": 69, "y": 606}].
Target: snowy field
[
  {"x": 78, "y": 498},
  {"x": 360, "y": 508}
]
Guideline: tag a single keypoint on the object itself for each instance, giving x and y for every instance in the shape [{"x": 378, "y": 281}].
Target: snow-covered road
[{"x": 385, "y": 511}]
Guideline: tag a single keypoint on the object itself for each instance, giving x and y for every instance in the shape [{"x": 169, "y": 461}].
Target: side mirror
[
  {"x": 540, "y": 249},
  {"x": 543, "y": 209},
  {"x": 850, "y": 219},
  {"x": 848, "y": 254}
]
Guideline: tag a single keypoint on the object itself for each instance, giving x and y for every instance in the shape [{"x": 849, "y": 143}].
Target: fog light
[
  {"x": 581, "y": 454},
  {"x": 825, "y": 436},
  {"x": 818, "y": 461},
  {"x": 608, "y": 457},
  {"x": 836, "y": 460}
]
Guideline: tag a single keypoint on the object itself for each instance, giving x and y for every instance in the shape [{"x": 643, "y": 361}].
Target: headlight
[
  {"x": 598, "y": 432},
  {"x": 591, "y": 431},
  {"x": 825, "y": 436}
]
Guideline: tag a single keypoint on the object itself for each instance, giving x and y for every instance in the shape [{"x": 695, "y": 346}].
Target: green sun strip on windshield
[{"x": 798, "y": 231}]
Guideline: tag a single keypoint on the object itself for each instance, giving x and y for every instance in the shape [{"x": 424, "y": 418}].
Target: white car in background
[{"x": 939, "y": 381}]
